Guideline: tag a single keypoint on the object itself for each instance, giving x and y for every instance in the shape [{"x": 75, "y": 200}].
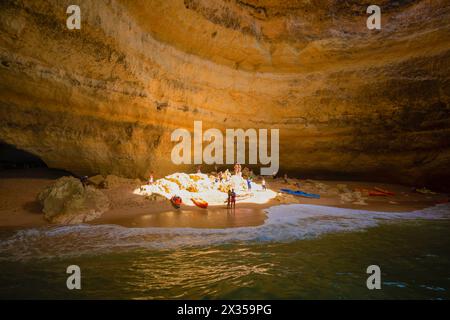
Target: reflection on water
[
  {"x": 205, "y": 272},
  {"x": 209, "y": 218},
  {"x": 308, "y": 257}
]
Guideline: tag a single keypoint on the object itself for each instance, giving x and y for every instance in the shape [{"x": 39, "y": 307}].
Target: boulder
[
  {"x": 354, "y": 197},
  {"x": 68, "y": 202},
  {"x": 155, "y": 197},
  {"x": 97, "y": 180}
]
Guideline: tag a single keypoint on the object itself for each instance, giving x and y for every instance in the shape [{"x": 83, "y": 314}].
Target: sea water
[{"x": 300, "y": 252}]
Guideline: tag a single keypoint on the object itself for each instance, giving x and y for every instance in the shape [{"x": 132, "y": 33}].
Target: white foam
[{"x": 284, "y": 223}]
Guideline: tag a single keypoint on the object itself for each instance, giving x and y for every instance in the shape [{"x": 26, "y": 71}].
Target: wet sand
[{"x": 20, "y": 187}]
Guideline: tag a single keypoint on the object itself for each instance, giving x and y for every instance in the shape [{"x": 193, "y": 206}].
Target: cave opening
[{"x": 14, "y": 158}]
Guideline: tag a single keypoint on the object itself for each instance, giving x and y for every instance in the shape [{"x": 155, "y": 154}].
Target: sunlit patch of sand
[{"x": 208, "y": 188}]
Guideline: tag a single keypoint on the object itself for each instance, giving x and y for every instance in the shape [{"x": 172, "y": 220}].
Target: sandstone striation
[{"x": 352, "y": 102}]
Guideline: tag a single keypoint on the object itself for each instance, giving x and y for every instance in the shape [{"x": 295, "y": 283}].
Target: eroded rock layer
[{"x": 347, "y": 100}]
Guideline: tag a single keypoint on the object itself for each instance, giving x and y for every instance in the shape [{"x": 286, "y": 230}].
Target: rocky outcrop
[
  {"x": 348, "y": 101},
  {"x": 67, "y": 201}
]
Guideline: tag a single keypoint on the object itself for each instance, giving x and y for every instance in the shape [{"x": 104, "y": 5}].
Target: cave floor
[{"x": 20, "y": 187}]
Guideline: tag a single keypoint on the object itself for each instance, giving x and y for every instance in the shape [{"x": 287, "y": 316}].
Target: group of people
[
  {"x": 231, "y": 201},
  {"x": 224, "y": 177},
  {"x": 249, "y": 184}
]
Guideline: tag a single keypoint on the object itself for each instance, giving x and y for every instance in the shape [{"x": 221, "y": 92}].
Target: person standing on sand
[
  {"x": 233, "y": 199},
  {"x": 150, "y": 180},
  {"x": 227, "y": 175},
  {"x": 229, "y": 199},
  {"x": 249, "y": 184},
  {"x": 263, "y": 184}
]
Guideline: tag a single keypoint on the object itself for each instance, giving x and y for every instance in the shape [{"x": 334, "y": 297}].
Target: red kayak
[
  {"x": 176, "y": 201},
  {"x": 200, "y": 203}
]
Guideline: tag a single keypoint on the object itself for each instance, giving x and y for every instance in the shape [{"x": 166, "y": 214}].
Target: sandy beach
[
  {"x": 20, "y": 187},
  {"x": 143, "y": 248}
]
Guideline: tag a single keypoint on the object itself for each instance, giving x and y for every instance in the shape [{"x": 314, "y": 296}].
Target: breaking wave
[{"x": 284, "y": 223}]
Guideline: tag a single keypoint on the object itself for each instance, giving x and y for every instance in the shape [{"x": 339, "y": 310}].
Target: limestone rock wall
[{"x": 348, "y": 101}]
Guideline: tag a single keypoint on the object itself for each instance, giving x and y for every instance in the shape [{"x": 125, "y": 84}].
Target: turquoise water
[{"x": 301, "y": 252}]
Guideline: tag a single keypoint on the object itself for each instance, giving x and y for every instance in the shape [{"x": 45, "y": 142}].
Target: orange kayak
[{"x": 200, "y": 203}]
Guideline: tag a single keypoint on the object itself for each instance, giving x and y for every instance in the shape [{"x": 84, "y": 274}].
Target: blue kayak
[{"x": 301, "y": 193}]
